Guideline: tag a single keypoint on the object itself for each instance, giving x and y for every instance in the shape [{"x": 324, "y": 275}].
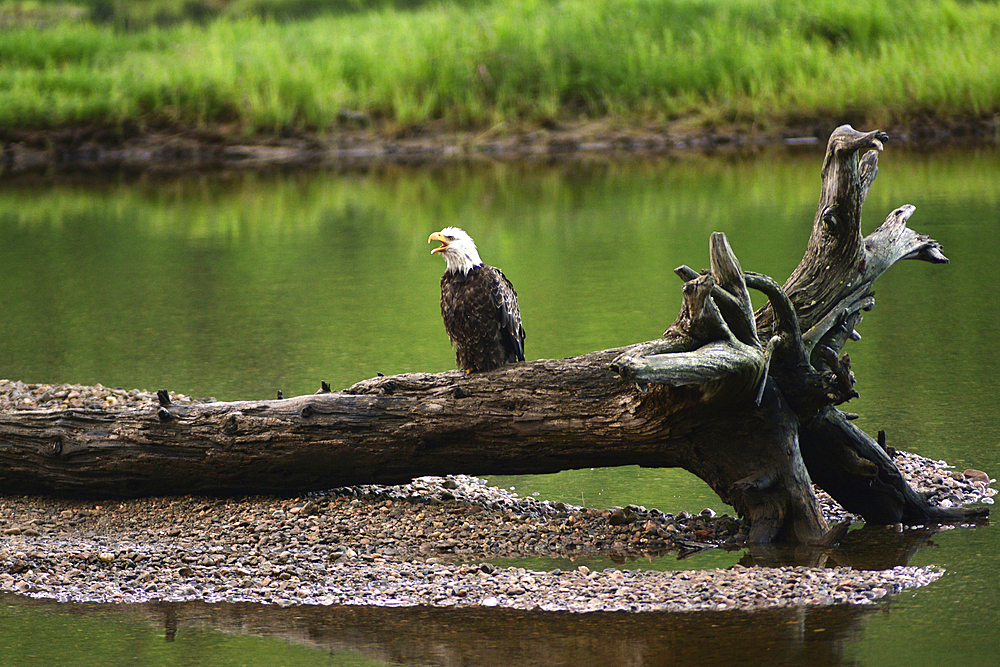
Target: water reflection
[{"x": 427, "y": 636}]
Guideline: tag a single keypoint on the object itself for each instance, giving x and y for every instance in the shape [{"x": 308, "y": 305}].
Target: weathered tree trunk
[
  {"x": 539, "y": 417},
  {"x": 745, "y": 401}
]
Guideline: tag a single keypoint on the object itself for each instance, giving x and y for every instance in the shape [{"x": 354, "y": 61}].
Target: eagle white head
[{"x": 457, "y": 248}]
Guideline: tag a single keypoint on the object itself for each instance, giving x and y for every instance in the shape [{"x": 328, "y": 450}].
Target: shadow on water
[
  {"x": 428, "y": 636},
  {"x": 866, "y": 547}
]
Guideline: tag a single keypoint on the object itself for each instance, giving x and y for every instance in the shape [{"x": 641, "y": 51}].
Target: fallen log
[
  {"x": 538, "y": 417},
  {"x": 746, "y": 401}
]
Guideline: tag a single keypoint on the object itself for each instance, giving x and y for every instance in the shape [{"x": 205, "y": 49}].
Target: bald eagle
[{"x": 478, "y": 304}]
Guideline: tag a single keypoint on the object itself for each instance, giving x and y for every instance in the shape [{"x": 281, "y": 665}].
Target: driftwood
[{"x": 746, "y": 401}]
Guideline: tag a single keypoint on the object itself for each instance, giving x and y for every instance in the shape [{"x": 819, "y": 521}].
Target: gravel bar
[{"x": 430, "y": 542}]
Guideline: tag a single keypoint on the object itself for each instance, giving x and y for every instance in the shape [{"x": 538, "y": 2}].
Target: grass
[{"x": 292, "y": 66}]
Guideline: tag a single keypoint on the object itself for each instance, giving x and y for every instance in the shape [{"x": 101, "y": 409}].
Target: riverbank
[
  {"x": 91, "y": 149},
  {"x": 437, "y": 541},
  {"x": 131, "y": 85}
]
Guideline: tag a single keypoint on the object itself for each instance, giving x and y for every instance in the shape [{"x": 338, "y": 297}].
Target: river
[{"x": 237, "y": 285}]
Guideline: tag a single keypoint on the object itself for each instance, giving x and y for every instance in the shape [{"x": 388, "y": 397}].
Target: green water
[{"x": 240, "y": 285}]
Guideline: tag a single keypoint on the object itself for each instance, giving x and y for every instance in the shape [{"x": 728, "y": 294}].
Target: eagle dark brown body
[{"x": 482, "y": 318}]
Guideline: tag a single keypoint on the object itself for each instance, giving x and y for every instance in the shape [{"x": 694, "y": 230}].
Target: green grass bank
[{"x": 290, "y": 67}]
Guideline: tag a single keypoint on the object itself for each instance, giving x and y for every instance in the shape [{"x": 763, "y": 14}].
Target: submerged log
[{"x": 745, "y": 401}]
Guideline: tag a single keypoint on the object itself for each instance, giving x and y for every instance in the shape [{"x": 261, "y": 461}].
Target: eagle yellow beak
[{"x": 438, "y": 236}]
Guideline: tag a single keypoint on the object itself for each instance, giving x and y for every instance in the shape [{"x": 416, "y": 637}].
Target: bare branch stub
[
  {"x": 828, "y": 269},
  {"x": 699, "y": 321},
  {"x": 738, "y": 311},
  {"x": 702, "y": 346}
]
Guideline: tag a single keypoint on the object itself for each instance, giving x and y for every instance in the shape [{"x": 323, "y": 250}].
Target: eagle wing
[{"x": 508, "y": 314}]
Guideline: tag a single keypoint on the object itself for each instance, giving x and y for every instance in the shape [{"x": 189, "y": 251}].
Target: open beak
[{"x": 438, "y": 236}]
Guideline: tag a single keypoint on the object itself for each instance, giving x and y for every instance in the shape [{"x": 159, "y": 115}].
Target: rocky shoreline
[{"x": 435, "y": 541}]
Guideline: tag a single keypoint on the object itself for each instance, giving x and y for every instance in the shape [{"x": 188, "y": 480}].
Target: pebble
[
  {"x": 422, "y": 543},
  {"x": 419, "y": 550},
  {"x": 309, "y": 577},
  {"x": 17, "y": 395}
]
